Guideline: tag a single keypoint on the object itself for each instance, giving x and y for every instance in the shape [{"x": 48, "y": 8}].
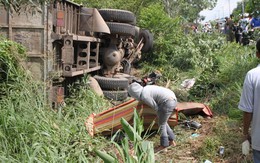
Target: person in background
[
  {"x": 194, "y": 28},
  {"x": 255, "y": 22},
  {"x": 217, "y": 27},
  {"x": 238, "y": 32},
  {"x": 250, "y": 17},
  {"x": 229, "y": 29},
  {"x": 243, "y": 22},
  {"x": 163, "y": 101},
  {"x": 250, "y": 105}
]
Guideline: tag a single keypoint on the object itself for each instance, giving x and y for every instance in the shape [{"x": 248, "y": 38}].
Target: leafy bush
[
  {"x": 173, "y": 47},
  {"x": 167, "y": 33},
  {"x": 142, "y": 150}
]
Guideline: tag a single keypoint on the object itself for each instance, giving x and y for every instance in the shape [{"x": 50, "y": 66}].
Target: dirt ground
[
  {"x": 187, "y": 146},
  {"x": 192, "y": 145}
]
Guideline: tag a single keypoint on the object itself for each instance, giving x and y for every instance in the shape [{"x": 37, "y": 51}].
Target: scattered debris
[
  {"x": 191, "y": 124},
  {"x": 150, "y": 79},
  {"x": 245, "y": 147},
  {"x": 221, "y": 150},
  {"x": 194, "y": 135},
  {"x": 188, "y": 83}
]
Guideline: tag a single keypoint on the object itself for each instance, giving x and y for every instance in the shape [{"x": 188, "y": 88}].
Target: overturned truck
[{"x": 65, "y": 41}]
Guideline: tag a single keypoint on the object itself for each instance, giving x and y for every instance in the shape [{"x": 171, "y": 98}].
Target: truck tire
[
  {"x": 112, "y": 83},
  {"x": 147, "y": 39},
  {"x": 121, "y": 29},
  {"x": 116, "y": 95},
  {"x": 124, "y": 75},
  {"x": 115, "y": 15}
]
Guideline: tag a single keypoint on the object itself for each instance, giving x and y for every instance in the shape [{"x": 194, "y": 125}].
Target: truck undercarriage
[{"x": 65, "y": 41}]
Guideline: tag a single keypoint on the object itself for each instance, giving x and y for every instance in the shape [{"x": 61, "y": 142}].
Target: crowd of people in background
[
  {"x": 244, "y": 28},
  {"x": 236, "y": 30}
]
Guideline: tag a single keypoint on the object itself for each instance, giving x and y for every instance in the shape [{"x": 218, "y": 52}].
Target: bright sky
[{"x": 223, "y": 9}]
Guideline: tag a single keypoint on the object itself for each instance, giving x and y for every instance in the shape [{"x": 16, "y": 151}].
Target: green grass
[{"x": 37, "y": 133}]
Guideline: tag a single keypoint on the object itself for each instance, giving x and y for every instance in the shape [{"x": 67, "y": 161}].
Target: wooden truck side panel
[{"x": 30, "y": 31}]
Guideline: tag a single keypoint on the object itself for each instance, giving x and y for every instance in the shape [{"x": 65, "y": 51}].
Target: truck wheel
[
  {"x": 124, "y": 75},
  {"x": 112, "y": 83},
  {"x": 116, "y": 95},
  {"x": 147, "y": 40},
  {"x": 121, "y": 29},
  {"x": 121, "y": 16}
]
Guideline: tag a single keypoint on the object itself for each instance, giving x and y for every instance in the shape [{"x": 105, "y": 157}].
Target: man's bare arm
[{"x": 247, "y": 118}]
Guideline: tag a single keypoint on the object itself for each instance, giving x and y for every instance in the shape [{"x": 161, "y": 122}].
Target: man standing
[
  {"x": 250, "y": 105},
  {"x": 163, "y": 101},
  {"x": 229, "y": 29}
]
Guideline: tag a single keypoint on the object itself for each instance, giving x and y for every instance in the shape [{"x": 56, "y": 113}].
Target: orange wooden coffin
[{"x": 108, "y": 121}]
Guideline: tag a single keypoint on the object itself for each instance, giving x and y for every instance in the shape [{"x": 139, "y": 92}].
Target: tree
[
  {"x": 188, "y": 9},
  {"x": 252, "y": 5},
  {"x": 249, "y": 7},
  {"x": 134, "y": 5}
]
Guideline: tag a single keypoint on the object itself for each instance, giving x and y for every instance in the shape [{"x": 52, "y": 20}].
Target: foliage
[
  {"x": 189, "y": 10},
  {"x": 167, "y": 33},
  {"x": 249, "y": 7},
  {"x": 170, "y": 40},
  {"x": 11, "y": 70},
  {"x": 142, "y": 150},
  {"x": 235, "y": 61},
  {"x": 220, "y": 85},
  {"x": 135, "y": 5}
]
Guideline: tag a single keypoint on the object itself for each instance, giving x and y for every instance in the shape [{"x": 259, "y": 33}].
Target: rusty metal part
[
  {"x": 112, "y": 58},
  {"x": 136, "y": 52},
  {"x": 126, "y": 51}
]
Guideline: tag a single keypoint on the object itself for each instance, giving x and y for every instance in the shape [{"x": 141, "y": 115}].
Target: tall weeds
[{"x": 30, "y": 130}]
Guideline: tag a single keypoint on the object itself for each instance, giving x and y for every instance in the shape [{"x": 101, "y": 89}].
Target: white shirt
[
  {"x": 250, "y": 102},
  {"x": 243, "y": 23}
]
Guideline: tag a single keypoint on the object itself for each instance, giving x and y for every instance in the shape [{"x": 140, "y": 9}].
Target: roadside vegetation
[{"x": 31, "y": 131}]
